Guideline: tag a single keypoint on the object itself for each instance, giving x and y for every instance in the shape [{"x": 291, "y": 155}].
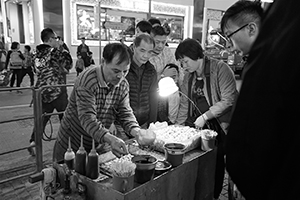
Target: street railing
[{"x": 38, "y": 117}]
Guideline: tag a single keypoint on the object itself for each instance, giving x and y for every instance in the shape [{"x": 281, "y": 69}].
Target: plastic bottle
[
  {"x": 67, "y": 188},
  {"x": 70, "y": 157},
  {"x": 92, "y": 167},
  {"x": 80, "y": 159}
]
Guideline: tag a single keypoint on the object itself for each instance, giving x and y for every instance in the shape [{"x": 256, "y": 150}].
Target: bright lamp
[{"x": 167, "y": 86}]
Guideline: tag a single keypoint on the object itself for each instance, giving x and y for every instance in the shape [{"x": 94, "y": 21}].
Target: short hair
[
  {"x": 14, "y": 45},
  {"x": 144, "y": 26},
  {"x": 160, "y": 30},
  {"x": 171, "y": 65},
  {"x": 112, "y": 50},
  {"x": 143, "y": 37},
  {"x": 46, "y": 34},
  {"x": 243, "y": 12},
  {"x": 27, "y": 47},
  {"x": 154, "y": 21},
  {"x": 190, "y": 48}
]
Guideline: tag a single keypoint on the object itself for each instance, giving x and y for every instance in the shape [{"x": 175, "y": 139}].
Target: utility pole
[
  {"x": 100, "y": 50},
  {"x": 149, "y": 13}
]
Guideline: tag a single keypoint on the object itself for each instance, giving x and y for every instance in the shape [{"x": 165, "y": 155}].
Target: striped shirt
[{"x": 93, "y": 107}]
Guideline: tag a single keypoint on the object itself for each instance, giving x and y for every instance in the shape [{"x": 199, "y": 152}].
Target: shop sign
[{"x": 115, "y": 25}]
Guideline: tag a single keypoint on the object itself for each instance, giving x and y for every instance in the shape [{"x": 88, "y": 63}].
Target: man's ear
[
  {"x": 102, "y": 61},
  {"x": 253, "y": 29},
  {"x": 133, "y": 46}
]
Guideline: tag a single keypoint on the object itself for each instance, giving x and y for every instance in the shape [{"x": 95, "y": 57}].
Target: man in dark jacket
[
  {"x": 142, "y": 80},
  {"x": 52, "y": 65},
  {"x": 83, "y": 51},
  {"x": 263, "y": 138}
]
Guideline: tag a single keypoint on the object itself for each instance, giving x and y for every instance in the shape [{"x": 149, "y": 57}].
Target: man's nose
[
  {"x": 147, "y": 55},
  {"x": 120, "y": 74},
  {"x": 230, "y": 47}
]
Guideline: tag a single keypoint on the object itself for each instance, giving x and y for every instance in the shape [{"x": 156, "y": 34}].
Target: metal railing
[{"x": 38, "y": 117}]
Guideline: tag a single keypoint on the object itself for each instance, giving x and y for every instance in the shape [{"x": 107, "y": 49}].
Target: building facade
[{"x": 23, "y": 20}]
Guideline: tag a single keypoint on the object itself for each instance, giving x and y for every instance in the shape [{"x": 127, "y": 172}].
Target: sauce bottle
[
  {"x": 67, "y": 188},
  {"x": 80, "y": 159},
  {"x": 92, "y": 167},
  {"x": 70, "y": 157}
]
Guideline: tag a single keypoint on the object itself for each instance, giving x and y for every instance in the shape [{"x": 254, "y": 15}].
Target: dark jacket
[
  {"x": 85, "y": 54},
  {"x": 52, "y": 65},
  {"x": 143, "y": 92},
  {"x": 263, "y": 137}
]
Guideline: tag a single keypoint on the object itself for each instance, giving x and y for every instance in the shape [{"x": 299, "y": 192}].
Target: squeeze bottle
[
  {"x": 80, "y": 159},
  {"x": 70, "y": 157},
  {"x": 92, "y": 168}
]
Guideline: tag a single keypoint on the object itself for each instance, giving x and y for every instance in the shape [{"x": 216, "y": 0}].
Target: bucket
[
  {"x": 174, "y": 153},
  {"x": 123, "y": 184},
  {"x": 208, "y": 144},
  {"x": 145, "y": 167}
]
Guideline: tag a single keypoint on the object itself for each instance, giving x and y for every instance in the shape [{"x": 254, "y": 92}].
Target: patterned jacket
[{"x": 52, "y": 65}]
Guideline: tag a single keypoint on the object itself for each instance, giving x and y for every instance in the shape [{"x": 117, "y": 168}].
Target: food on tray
[
  {"x": 106, "y": 157},
  {"x": 208, "y": 134},
  {"x": 158, "y": 125},
  {"x": 175, "y": 133},
  {"x": 134, "y": 149}
]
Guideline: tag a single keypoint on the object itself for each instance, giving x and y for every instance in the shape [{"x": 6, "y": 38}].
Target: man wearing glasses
[{"x": 240, "y": 24}]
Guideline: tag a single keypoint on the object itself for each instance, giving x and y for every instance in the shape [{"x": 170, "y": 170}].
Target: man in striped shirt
[{"x": 100, "y": 97}]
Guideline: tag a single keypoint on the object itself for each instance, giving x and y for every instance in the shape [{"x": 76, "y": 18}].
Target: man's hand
[
  {"x": 200, "y": 122},
  {"x": 118, "y": 146}
]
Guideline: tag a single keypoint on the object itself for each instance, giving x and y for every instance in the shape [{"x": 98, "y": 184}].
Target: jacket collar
[{"x": 101, "y": 80}]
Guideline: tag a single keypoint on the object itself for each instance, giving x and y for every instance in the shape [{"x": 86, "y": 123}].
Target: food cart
[
  {"x": 194, "y": 179},
  {"x": 191, "y": 180}
]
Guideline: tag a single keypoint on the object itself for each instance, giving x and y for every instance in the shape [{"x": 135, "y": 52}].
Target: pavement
[{"x": 15, "y": 134}]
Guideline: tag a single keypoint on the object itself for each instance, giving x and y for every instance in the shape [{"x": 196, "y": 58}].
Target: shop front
[
  {"x": 89, "y": 19},
  {"x": 86, "y": 18}
]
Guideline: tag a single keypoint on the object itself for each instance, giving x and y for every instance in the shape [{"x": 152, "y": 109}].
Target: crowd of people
[{"x": 123, "y": 93}]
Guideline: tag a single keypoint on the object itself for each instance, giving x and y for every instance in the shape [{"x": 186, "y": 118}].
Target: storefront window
[
  {"x": 176, "y": 25},
  {"x": 86, "y": 20}
]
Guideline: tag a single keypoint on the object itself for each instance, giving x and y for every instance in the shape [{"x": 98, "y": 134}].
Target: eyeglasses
[
  {"x": 182, "y": 61},
  {"x": 55, "y": 37},
  {"x": 234, "y": 32}
]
